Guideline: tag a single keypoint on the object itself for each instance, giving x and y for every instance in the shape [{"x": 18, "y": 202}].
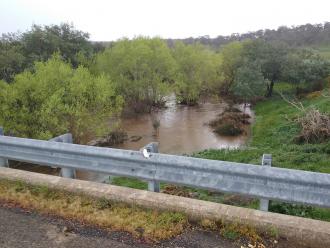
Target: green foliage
[
  {"x": 11, "y": 57},
  {"x": 56, "y": 99},
  {"x": 129, "y": 182},
  {"x": 254, "y": 66},
  {"x": 41, "y": 42},
  {"x": 232, "y": 60},
  {"x": 142, "y": 69},
  {"x": 274, "y": 132},
  {"x": 249, "y": 82},
  {"x": 197, "y": 72},
  {"x": 19, "y": 51},
  {"x": 270, "y": 58},
  {"x": 305, "y": 66}
]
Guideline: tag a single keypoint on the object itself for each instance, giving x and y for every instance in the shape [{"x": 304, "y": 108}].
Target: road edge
[{"x": 303, "y": 231}]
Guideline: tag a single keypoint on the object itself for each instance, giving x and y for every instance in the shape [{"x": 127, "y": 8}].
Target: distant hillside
[{"x": 303, "y": 35}]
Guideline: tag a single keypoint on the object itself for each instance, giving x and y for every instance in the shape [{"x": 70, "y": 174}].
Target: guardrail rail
[{"x": 265, "y": 182}]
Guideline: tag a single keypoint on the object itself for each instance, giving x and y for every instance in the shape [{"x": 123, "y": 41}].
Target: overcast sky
[{"x": 110, "y": 20}]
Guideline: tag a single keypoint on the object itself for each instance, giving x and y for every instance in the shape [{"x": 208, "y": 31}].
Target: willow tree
[
  {"x": 197, "y": 71},
  {"x": 143, "y": 70},
  {"x": 55, "y": 99}
]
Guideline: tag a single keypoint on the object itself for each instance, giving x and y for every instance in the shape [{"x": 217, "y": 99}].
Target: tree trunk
[{"x": 270, "y": 89}]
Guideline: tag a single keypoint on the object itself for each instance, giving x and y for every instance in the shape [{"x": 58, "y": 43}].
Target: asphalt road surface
[{"x": 21, "y": 228}]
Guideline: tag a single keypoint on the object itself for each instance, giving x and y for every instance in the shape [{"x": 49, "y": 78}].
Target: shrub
[
  {"x": 230, "y": 123},
  {"x": 228, "y": 129},
  {"x": 55, "y": 99}
]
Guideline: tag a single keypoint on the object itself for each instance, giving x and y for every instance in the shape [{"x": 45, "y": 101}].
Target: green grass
[
  {"x": 148, "y": 224},
  {"x": 273, "y": 132},
  {"x": 129, "y": 182}
]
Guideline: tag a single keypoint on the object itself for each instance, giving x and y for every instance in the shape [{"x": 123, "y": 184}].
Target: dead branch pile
[
  {"x": 315, "y": 127},
  {"x": 230, "y": 123}
]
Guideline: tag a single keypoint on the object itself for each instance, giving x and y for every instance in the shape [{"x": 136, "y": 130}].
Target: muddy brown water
[{"x": 182, "y": 130}]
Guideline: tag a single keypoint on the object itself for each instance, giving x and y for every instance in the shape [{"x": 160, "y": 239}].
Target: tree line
[
  {"x": 301, "y": 35},
  {"x": 54, "y": 80}
]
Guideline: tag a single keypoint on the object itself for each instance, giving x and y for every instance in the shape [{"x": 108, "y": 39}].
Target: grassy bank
[
  {"x": 142, "y": 223},
  {"x": 274, "y": 132}
]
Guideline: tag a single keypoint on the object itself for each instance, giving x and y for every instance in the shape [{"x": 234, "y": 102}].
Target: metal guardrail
[
  {"x": 65, "y": 138},
  {"x": 255, "y": 181}
]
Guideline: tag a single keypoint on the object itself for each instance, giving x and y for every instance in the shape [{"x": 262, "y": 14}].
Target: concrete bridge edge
[{"x": 304, "y": 231}]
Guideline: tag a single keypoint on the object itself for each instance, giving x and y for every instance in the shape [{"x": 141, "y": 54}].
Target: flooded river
[{"x": 182, "y": 130}]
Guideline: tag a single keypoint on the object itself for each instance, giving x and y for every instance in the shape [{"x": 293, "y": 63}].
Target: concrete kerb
[{"x": 304, "y": 231}]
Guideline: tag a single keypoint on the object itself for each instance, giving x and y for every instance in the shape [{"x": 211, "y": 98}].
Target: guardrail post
[
  {"x": 3, "y": 161},
  {"x": 153, "y": 185},
  {"x": 65, "y": 138},
  {"x": 68, "y": 172},
  {"x": 266, "y": 161}
]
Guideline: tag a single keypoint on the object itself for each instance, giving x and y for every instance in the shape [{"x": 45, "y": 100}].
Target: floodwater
[{"x": 182, "y": 130}]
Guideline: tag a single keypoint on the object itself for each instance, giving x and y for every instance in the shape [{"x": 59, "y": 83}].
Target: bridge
[{"x": 259, "y": 181}]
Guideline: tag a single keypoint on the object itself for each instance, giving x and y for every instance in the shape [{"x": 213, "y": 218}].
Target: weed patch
[{"x": 142, "y": 223}]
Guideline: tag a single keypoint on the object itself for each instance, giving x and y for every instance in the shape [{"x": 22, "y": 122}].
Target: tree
[
  {"x": 269, "y": 56},
  {"x": 41, "y": 42},
  {"x": 249, "y": 82},
  {"x": 143, "y": 70},
  {"x": 305, "y": 67},
  {"x": 231, "y": 61},
  {"x": 56, "y": 99},
  {"x": 198, "y": 71},
  {"x": 12, "y": 59}
]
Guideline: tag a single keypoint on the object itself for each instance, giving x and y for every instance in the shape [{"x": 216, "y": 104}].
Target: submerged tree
[
  {"x": 232, "y": 60},
  {"x": 143, "y": 70},
  {"x": 198, "y": 72},
  {"x": 56, "y": 99}
]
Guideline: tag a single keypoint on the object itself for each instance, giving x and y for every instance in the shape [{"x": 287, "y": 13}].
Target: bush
[
  {"x": 228, "y": 129},
  {"x": 56, "y": 99},
  {"x": 230, "y": 123}
]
